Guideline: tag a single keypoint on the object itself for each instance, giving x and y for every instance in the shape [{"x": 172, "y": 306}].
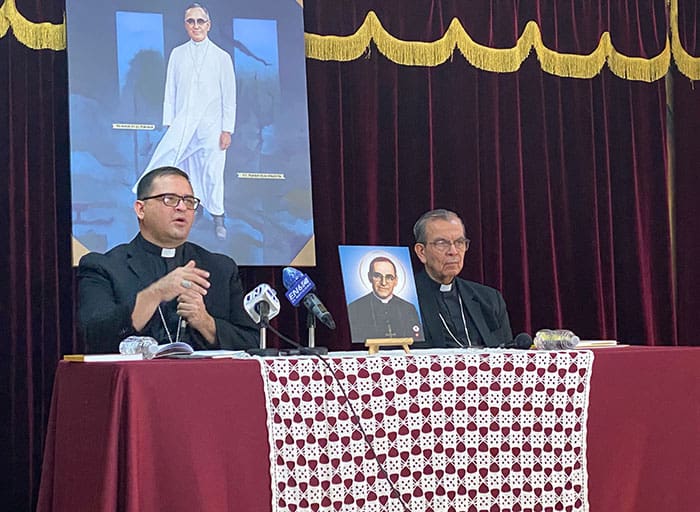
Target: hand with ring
[{"x": 182, "y": 279}]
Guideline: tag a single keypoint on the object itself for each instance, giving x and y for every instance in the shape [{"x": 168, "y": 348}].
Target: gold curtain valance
[
  {"x": 37, "y": 36},
  {"x": 419, "y": 53}
]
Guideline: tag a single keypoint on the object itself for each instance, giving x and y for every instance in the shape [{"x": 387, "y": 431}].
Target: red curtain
[
  {"x": 685, "y": 113},
  {"x": 36, "y": 277},
  {"x": 562, "y": 183}
]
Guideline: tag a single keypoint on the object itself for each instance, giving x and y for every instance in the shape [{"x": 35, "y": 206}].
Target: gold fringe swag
[
  {"x": 43, "y": 36},
  {"x": 37, "y": 36}
]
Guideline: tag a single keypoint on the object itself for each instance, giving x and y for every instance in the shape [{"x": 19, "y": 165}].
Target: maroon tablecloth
[
  {"x": 190, "y": 435},
  {"x": 644, "y": 430}
]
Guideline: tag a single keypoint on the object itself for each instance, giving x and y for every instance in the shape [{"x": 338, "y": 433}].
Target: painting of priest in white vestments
[
  {"x": 199, "y": 111},
  {"x": 216, "y": 88}
]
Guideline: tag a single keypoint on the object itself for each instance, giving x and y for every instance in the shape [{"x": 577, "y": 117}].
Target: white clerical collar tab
[
  {"x": 167, "y": 253},
  {"x": 446, "y": 287},
  {"x": 385, "y": 301}
]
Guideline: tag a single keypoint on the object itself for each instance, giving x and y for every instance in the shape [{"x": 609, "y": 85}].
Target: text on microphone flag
[{"x": 299, "y": 289}]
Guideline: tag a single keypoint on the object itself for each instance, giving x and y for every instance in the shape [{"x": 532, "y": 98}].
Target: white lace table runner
[{"x": 491, "y": 431}]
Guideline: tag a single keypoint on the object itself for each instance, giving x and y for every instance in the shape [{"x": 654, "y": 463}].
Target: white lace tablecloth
[{"x": 477, "y": 431}]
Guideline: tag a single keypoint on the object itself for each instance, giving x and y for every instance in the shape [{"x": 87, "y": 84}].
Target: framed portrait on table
[{"x": 380, "y": 293}]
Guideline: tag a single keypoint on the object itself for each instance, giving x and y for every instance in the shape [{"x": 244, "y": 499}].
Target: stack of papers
[
  {"x": 106, "y": 358},
  {"x": 597, "y": 343},
  {"x": 170, "y": 352}
]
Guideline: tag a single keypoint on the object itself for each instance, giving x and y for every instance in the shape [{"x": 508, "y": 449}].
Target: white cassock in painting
[{"x": 199, "y": 109}]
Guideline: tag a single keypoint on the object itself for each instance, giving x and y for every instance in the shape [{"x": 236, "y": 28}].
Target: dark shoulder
[
  {"x": 422, "y": 279},
  {"x": 211, "y": 259},
  {"x": 115, "y": 255},
  {"x": 479, "y": 289},
  {"x": 364, "y": 299}
]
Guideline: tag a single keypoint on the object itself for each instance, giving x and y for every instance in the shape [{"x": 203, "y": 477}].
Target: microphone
[
  {"x": 300, "y": 289},
  {"x": 262, "y": 304},
  {"x": 522, "y": 341}
]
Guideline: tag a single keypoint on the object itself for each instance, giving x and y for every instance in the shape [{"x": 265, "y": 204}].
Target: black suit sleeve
[
  {"x": 236, "y": 331},
  {"x": 103, "y": 319},
  {"x": 497, "y": 320}
]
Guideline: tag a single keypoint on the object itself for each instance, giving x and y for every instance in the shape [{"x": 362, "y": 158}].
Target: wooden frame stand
[{"x": 374, "y": 344}]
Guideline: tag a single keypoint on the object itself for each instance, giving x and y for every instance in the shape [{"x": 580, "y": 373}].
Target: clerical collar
[
  {"x": 385, "y": 301},
  {"x": 200, "y": 43},
  {"x": 446, "y": 287},
  {"x": 165, "y": 252}
]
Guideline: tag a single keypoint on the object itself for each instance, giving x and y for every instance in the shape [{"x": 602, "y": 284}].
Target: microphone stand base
[
  {"x": 304, "y": 351},
  {"x": 314, "y": 351},
  {"x": 263, "y": 352}
]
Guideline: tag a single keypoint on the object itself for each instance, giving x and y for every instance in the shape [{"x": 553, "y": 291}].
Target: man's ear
[
  {"x": 138, "y": 208},
  {"x": 419, "y": 249}
]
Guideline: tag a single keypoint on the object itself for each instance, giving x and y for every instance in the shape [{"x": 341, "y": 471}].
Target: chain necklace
[
  {"x": 165, "y": 326},
  {"x": 198, "y": 69},
  {"x": 464, "y": 321}
]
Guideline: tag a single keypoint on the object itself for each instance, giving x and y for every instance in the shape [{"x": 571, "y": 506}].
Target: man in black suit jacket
[
  {"x": 159, "y": 284},
  {"x": 455, "y": 312}
]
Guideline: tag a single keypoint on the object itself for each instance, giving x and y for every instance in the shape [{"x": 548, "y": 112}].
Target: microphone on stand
[
  {"x": 262, "y": 305},
  {"x": 300, "y": 289},
  {"x": 522, "y": 341}
]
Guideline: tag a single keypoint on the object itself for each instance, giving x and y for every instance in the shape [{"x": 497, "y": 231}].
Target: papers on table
[
  {"x": 103, "y": 358},
  {"x": 598, "y": 344},
  {"x": 200, "y": 354}
]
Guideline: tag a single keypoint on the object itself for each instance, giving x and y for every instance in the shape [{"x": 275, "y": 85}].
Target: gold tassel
[
  {"x": 504, "y": 60},
  {"x": 37, "y": 36},
  {"x": 686, "y": 63},
  {"x": 49, "y": 36}
]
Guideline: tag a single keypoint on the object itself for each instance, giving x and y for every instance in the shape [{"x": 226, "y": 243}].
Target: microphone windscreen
[
  {"x": 522, "y": 341},
  {"x": 298, "y": 285},
  {"x": 254, "y": 300},
  {"x": 289, "y": 276}
]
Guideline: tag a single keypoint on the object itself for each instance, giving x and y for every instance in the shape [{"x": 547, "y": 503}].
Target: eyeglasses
[
  {"x": 442, "y": 245},
  {"x": 173, "y": 200},
  {"x": 199, "y": 21},
  {"x": 376, "y": 276}
]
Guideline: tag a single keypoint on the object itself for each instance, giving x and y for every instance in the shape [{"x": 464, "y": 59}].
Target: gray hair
[
  {"x": 438, "y": 214},
  {"x": 195, "y": 5}
]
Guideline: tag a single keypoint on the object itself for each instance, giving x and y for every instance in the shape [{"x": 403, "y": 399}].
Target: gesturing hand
[
  {"x": 191, "y": 307},
  {"x": 188, "y": 278}
]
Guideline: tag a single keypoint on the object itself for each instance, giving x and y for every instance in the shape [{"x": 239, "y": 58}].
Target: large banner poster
[{"x": 160, "y": 82}]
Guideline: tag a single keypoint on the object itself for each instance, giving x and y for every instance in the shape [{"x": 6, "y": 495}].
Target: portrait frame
[
  {"x": 355, "y": 261},
  {"x": 118, "y": 54}
]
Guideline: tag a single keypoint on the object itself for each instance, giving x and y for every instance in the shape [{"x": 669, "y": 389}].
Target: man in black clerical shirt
[
  {"x": 159, "y": 284},
  {"x": 455, "y": 312},
  {"x": 380, "y": 313}
]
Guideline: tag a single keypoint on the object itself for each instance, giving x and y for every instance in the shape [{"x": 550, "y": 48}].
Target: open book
[
  {"x": 170, "y": 349},
  {"x": 177, "y": 349}
]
